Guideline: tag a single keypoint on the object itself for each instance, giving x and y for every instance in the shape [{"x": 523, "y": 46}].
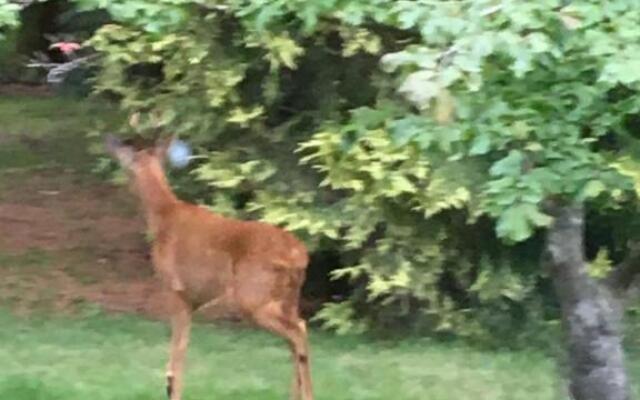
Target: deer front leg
[{"x": 180, "y": 330}]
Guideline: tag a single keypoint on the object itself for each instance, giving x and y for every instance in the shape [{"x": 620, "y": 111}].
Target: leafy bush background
[{"x": 295, "y": 109}]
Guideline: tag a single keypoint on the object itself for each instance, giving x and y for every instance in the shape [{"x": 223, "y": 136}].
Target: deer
[{"x": 249, "y": 269}]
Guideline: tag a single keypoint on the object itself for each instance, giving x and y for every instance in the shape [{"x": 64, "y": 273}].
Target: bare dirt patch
[
  {"x": 16, "y": 89},
  {"x": 91, "y": 241}
]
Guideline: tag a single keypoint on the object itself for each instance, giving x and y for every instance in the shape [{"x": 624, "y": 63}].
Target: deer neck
[{"x": 156, "y": 197}]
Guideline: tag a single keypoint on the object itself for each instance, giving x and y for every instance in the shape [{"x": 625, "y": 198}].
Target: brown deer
[{"x": 248, "y": 268}]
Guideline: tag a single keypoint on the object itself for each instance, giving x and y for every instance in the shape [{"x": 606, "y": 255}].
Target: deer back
[{"x": 206, "y": 254}]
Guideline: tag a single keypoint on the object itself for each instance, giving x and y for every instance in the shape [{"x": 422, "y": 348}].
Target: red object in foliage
[{"x": 66, "y": 47}]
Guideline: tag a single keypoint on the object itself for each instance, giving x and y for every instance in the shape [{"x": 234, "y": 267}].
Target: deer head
[
  {"x": 145, "y": 168},
  {"x": 131, "y": 158}
]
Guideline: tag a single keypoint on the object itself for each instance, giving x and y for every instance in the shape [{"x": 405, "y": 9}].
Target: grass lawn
[
  {"x": 42, "y": 132},
  {"x": 102, "y": 357}
]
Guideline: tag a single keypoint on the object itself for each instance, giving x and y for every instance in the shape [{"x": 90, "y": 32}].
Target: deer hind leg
[
  {"x": 180, "y": 330},
  {"x": 304, "y": 361},
  {"x": 293, "y": 329}
]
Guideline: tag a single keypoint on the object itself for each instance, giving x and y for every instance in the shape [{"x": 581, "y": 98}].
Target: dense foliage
[
  {"x": 8, "y": 15},
  {"x": 398, "y": 134}
]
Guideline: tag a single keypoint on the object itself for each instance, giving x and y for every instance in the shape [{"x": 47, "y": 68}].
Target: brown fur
[{"x": 249, "y": 268}]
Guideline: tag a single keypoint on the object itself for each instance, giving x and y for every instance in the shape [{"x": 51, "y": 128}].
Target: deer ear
[
  {"x": 121, "y": 152},
  {"x": 162, "y": 145}
]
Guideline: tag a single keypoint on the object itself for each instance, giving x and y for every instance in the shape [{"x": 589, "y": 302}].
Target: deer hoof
[{"x": 169, "y": 387}]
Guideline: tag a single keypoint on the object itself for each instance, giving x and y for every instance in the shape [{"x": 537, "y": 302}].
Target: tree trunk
[{"x": 591, "y": 315}]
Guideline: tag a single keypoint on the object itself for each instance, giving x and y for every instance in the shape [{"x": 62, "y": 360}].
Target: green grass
[
  {"x": 121, "y": 357},
  {"x": 42, "y": 116},
  {"x": 42, "y": 132},
  {"x": 32, "y": 258}
]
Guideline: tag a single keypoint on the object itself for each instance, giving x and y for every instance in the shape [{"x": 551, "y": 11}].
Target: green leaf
[
  {"x": 593, "y": 189},
  {"x": 601, "y": 266},
  {"x": 539, "y": 42},
  {"x": 625, "y": 71},
  {"x": 401, "y": 184},
  {"x": 410, "y": 17},
  {"x": 510, "y": 165},
  {"x": 481, "y": 144},
  {"x": 537, "y": 218},
  {"x": 513, "y": 225},
  {"x": 518, "y": 222},
  {"x": 420, "y": 88},
  {"x": 369, "y": 118},
  {"x": 629, "y": 168},
  {"x": 406, "y": 129}
]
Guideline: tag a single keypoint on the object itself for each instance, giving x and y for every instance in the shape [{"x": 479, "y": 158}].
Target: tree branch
[
  {"x": 623, "y": 275},
  {"x": 58, "y": 71}
]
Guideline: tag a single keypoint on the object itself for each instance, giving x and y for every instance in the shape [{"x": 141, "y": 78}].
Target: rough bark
[{"x": 591, "y": 315}]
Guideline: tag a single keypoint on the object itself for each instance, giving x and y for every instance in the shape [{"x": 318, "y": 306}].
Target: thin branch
[
  {"x": 23, "y": 3},
  {"x": 491, "y": 10},
  {"x": 624, "y": 274},
  {"x": 58, "y": 71}
]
